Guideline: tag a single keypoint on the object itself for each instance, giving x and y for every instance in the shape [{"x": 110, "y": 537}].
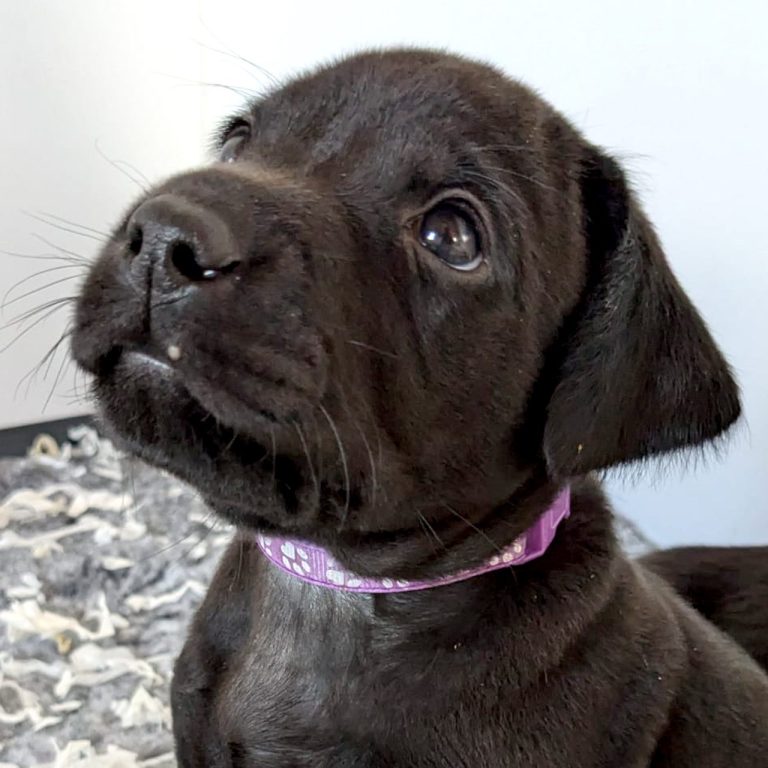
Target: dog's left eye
[
  {"x": 234, "y": 144},
  {"x": 450, "y": 233}
]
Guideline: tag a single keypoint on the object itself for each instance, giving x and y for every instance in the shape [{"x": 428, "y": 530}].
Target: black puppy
[{"x": 409, "y": 307}]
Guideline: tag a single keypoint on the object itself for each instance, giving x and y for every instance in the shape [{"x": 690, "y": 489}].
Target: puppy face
[{"x": 406, "y": 289}]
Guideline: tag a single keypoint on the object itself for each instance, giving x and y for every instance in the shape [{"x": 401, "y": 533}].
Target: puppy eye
[
  {"x": 234, "y": 144},
  {"x": 449, "y": 232}
]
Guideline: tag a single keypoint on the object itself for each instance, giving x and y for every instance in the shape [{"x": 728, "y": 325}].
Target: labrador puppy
[{"x": 402, "y": 319}]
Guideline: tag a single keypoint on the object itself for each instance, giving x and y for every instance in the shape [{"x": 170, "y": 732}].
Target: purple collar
[{"x": 315, "y": 565}]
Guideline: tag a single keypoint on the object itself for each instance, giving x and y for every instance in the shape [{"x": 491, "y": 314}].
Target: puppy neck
[
  {"x": 314, "y": 564},
  {"x": 563, "y": 591}
]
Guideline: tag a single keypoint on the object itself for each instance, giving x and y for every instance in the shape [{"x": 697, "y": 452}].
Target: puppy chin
[{"x": 148, "y": 411}]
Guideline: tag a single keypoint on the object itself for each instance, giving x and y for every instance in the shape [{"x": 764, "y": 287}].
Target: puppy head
[{"x": 406, "y": 289}]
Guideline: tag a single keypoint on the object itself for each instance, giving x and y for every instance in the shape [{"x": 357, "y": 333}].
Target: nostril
[
  {"x": 136, "y": 240},
  {"x": 184, "y": 258},
  {"x": 229, "y": 267}
]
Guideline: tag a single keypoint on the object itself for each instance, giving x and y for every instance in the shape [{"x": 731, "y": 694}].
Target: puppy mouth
[
  {"x": 143, "y": 364},
  {"x": 149, "y": 408}
]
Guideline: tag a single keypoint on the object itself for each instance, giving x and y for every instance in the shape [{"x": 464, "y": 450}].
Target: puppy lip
[
  {"x": 143, "y": 363},
  {"x": 143, "y": 360}
]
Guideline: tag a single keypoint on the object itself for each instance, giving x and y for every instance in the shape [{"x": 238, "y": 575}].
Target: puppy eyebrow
[
  {"x": 438, "y": 176},
  {"x": 464, "y": 172}
]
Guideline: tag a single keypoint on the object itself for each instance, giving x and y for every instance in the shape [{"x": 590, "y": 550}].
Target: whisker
[
  {"x": 340, "y": 259},
  {"x": 508, "y": 148},
  {"x": 318, "y": 445},
  {"x": 73, "y": 254},
  {"x": 374, "y": 479},
  {"x": 474, "y": 527},
  {"x": 305, "y": 446},
  {"x": 345, "y": 401},
  {"x": 64, "y": 336},
  {"x": 371, "y": 348},
  {"x": 274, "y": 460},
  {"x": 229, "y": 445},
  {"x": 238, "y": 572},
  {"x": 47, "y": 358},
  {"x": 83, "y": 394},
  {"x": 33, "y": 291},
  {"x": 61, "y": 227},
  {"x": 243, "y": 93},
  {"x": 40, "y": 273},
  {"x": 70, "y": 399},
  {"x": 21, "y": 318},
  {"x": 73, "y": 395},
  {"x": 127, "y": 478},
  {"x": 428, "y": 527},
  {"x": 71, "y": 223},
  {"x": 525, "y": 177},
  {"x": 118, "y": 165},
  {"x": 472, "y": 174},
  {"x": 131, "y": 167},
  {"x": 176, "y": 543},
  {"x": 207, "y": 531},
  {"x": 39, "y": 320},
  {"x": 342, "y": 455},
  {"x": 45, "y": 257},
  {"x": 233, "y": 55},
  {"x": 65, "y": 362}
]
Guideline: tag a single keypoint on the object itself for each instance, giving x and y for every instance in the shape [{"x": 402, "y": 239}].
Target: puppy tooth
[{"x": 174, "y": 352}]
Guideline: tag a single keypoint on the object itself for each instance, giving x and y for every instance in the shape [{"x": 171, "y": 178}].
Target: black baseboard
[{"x": 15, "y": 441}]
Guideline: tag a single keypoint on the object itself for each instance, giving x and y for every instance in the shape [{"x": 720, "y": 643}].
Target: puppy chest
[{"x": 291, "y": 710}]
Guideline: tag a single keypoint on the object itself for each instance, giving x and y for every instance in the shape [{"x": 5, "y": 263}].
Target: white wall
[{"x": 676, "y": 89}]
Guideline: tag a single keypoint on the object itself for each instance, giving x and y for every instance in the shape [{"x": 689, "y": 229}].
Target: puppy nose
[{"x": 184, "y": 241}]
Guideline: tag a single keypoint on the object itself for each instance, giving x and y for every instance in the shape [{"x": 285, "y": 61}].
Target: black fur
[
  {"x": 728, "y": 585},
  {"x": 276, "y": 332}
]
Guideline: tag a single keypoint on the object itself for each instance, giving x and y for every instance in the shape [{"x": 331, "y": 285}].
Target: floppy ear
[{"x": 640, "y": 373}]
